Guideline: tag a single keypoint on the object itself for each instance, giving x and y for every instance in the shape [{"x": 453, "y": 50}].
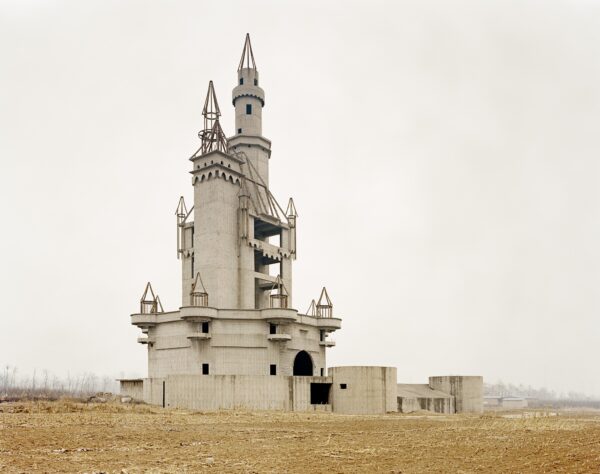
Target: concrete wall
[
  {"x": 369, "y": 390},
  {"x": 132, "y": 388},
  {"x": 466, "y": 390},
  {"x": 216, "y": 392},
  {"x": 226, "y": 392}
]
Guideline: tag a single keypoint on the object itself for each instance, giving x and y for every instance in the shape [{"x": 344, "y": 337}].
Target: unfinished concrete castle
[{"x": 236, "y": 342}]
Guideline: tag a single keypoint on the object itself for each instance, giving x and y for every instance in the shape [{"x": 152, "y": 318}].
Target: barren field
[{"x": 79, "y": 437}]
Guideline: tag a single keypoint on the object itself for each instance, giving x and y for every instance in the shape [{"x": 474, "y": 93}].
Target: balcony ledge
[
  {"x": 145, "y": 340},
  {"x": 327, "y": 343},
  {"x": 198, "y": 314},
  {"x": 279, "y": 337},
  {"x": 199, "y": 335}
]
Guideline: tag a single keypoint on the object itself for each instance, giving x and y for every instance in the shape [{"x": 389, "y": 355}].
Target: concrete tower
[
  {"x": 236, "y": 246},
  {"x": 249, "y": 100}
]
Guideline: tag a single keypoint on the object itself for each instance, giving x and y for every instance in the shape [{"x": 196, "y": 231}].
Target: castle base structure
[
  {"x": 236, "y": 340},
  {"x": 357, "y": 390}
]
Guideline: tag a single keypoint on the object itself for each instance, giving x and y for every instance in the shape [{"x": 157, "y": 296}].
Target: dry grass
[{"x": 68, "y": 436}]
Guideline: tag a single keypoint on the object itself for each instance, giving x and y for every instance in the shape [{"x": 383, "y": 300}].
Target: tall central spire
[{"x": 247, "y": 56}]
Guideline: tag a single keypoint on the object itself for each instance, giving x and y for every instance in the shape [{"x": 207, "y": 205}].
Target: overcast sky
[{"x": 443, "y": 157}]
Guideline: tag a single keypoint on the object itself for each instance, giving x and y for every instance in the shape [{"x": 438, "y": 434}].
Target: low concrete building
[
  {"x": 236, "y": 340},
  {"x": 504, "y": 403},
  {"x": 415, "y": 397},
  {"x": 466, "y": 390}
]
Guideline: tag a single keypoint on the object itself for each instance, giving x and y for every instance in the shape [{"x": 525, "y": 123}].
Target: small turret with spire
[{"x": 248, "y": 97}]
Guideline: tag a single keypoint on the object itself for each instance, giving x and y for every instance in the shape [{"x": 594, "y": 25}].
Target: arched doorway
[{"x": 303, "y": 364}]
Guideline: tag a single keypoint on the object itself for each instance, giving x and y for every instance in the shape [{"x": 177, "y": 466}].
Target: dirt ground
[{"x": 114, "y": 438}]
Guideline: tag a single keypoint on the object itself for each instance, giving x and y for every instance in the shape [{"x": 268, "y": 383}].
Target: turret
[{"x": 249, "y": 99}]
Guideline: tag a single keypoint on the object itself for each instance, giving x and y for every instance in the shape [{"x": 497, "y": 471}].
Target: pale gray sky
[{"x": 443, "y": 156}]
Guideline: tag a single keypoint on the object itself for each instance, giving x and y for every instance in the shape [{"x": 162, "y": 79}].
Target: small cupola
[
  {"x": 150, "y": 302},
  {"x": 199, "y": 296},
  {"x": 279, "y": 295},
  {"x": 324, "y": 305}
]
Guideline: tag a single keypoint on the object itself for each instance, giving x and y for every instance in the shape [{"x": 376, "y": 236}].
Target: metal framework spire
[
  {"x": 212, "y": 135},
  {"x": 324, "y": 305},
  {"x": 150, "y": 302},
  {"x": 247, "y": 56},
  {"x": 198, "y": 293}
]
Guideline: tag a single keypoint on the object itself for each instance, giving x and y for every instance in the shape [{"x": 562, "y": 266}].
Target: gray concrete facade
[{"x": 236, "y": 340}]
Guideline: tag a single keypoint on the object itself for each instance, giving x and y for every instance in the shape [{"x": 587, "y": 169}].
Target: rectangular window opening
[
  {"x": 255, "y": 82},
  {"x": 343, "y": 386},
  {"x": 273, "y": 369},
  {"x": 322, "y": 372},
  {"x": 204, "y": 369},
  {"x": 239, "y": 130},
  {"x": 241, "y": 81},
  {"x": 205, "y": 328},
  {"x": 319, "y": 393},
  {"x": 272, "y": 328},
  {"x": 248, "y": 109}
]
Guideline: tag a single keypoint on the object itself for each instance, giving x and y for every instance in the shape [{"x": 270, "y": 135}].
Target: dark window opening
[
  {"x": 193, "y": 266},
  {"x": 248, "y": 109},
  {"x": 255, "y": 82},
  {"x": 205, "y": 327},
  {"x": 241, "y": 81},
  {"x": 343, "y": 386},
  {"x": 322, "y": 372},
  {"x": 321, "y": 335},
  {"x": 272, "y": 328},
  {"x": 239, "y": 130},
  {"x": 204, "y": 369},
  {"x": 273, "y": 369},
  {"x": 164, "y": 393},
  {"x": 319, "y": 393},
  {"x": 303, "y": 364}
]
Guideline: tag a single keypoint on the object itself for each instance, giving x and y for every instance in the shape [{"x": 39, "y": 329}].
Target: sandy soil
[{"x": 75, "y": 437}]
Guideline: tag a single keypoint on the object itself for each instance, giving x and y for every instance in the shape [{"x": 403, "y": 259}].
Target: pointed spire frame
[
  {"x": 247, "y": 55},
  {"x": 324, "y": 305}
]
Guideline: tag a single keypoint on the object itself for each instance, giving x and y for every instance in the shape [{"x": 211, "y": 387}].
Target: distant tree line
[
  {"x": 44, "y": 385},
  {"x": 543, "y": 394}
]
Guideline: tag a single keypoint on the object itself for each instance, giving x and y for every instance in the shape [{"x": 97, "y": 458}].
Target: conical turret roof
[{"x": 247, "y": 60}]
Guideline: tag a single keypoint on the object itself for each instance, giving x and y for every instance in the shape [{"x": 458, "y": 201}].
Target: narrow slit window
[
  {"x": 248, "y": 109},
  {"x": 255, "y": 82},
  {"x": 241, "y": 81},
  {"x": 204, "y": 369},
  {"x": 273, "y": 369}
]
